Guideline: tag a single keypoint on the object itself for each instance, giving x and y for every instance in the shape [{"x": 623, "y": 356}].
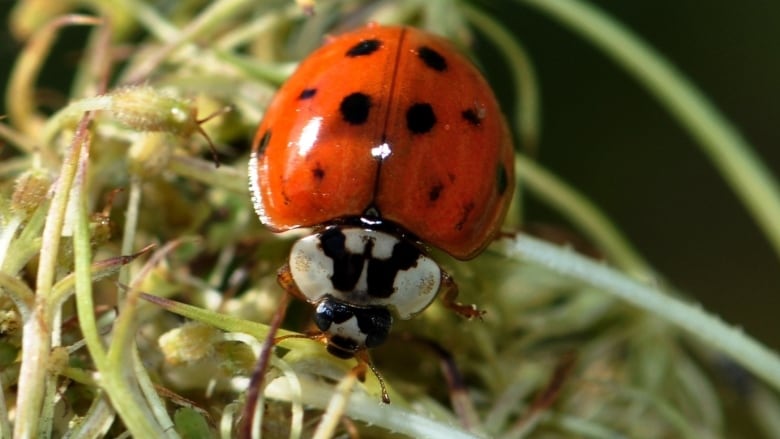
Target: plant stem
[
  {"x": 730, "y": 152},
  {"x": 526, "y": 97},
  {"x": 584, "y": 215},
  {"x": 36, "y": 331},
  {"x": 691, "y": 318},
  {"x": 115, "y": 373}
]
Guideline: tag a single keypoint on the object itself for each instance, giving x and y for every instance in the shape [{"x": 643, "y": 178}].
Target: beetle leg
[
  {"x": 450, "y": 294},
  {"x": 285, "y": 280}
]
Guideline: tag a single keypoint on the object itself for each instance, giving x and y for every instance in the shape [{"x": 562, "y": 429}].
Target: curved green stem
[
  {"x": 707, "y": 328},
  {"x": 730, "y": 152},
  {"x": 583, "y": 214},
  {"x": 37, "y": 329},
  {"x": 527, "y": 111},
  {"x": 115, "y": 378}
]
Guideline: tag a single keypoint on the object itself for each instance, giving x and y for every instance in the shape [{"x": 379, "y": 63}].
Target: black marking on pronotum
[
  {"x": 464, "y": 215},
  {"x": 435, "y": 192},
  {"x": 502, "y": 180},
  {"x": 471, "y": 117},
  {"x": 354, "y": 108},
  {"x": 420, "y": 118},
  {"x": 346, "y": 266},
  {"x": 263, "y": 144},
  {"x": 381, "y": 273},
  {"x": 363, "y": 48},
  {"x": 432, "y": 58},
  {"x": 307, "y": 93}
]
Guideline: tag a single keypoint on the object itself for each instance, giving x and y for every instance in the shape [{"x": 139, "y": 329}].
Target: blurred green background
[{"x": 609, "y": 138}]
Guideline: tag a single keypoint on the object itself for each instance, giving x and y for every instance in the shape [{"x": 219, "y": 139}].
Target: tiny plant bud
[{"x": 190, "y": 342}]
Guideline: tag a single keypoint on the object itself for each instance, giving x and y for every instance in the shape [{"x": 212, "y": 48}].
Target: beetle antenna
[{"x": 364, "y": 359}]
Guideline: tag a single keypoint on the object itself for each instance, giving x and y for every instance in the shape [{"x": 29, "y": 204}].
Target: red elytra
[{"x": 392, "y": 123}]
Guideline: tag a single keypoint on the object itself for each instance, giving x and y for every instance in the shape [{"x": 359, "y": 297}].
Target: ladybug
[{"x": 384, "y": 140}]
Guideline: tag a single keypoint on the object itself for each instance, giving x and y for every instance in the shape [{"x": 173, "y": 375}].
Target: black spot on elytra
[
  {"x": 318, "y": 173},
  {"x": 363, "y": 48},
  {"x": 420, "y": 118},
  {"x": 464, "y": 215},
  {"x": 432, "y": 58},
  {"x": 307, "y": 94},
  {"x": 471, "y": 117},
  {"x": 354, "y": 108},
  {"x": 435, "y": 192},
  {"x": 502, "y": 179},
  {"x": 263, "y": 144}
]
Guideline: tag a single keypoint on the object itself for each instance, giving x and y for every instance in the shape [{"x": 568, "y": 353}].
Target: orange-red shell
[{"x": 391, "y": 119}]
